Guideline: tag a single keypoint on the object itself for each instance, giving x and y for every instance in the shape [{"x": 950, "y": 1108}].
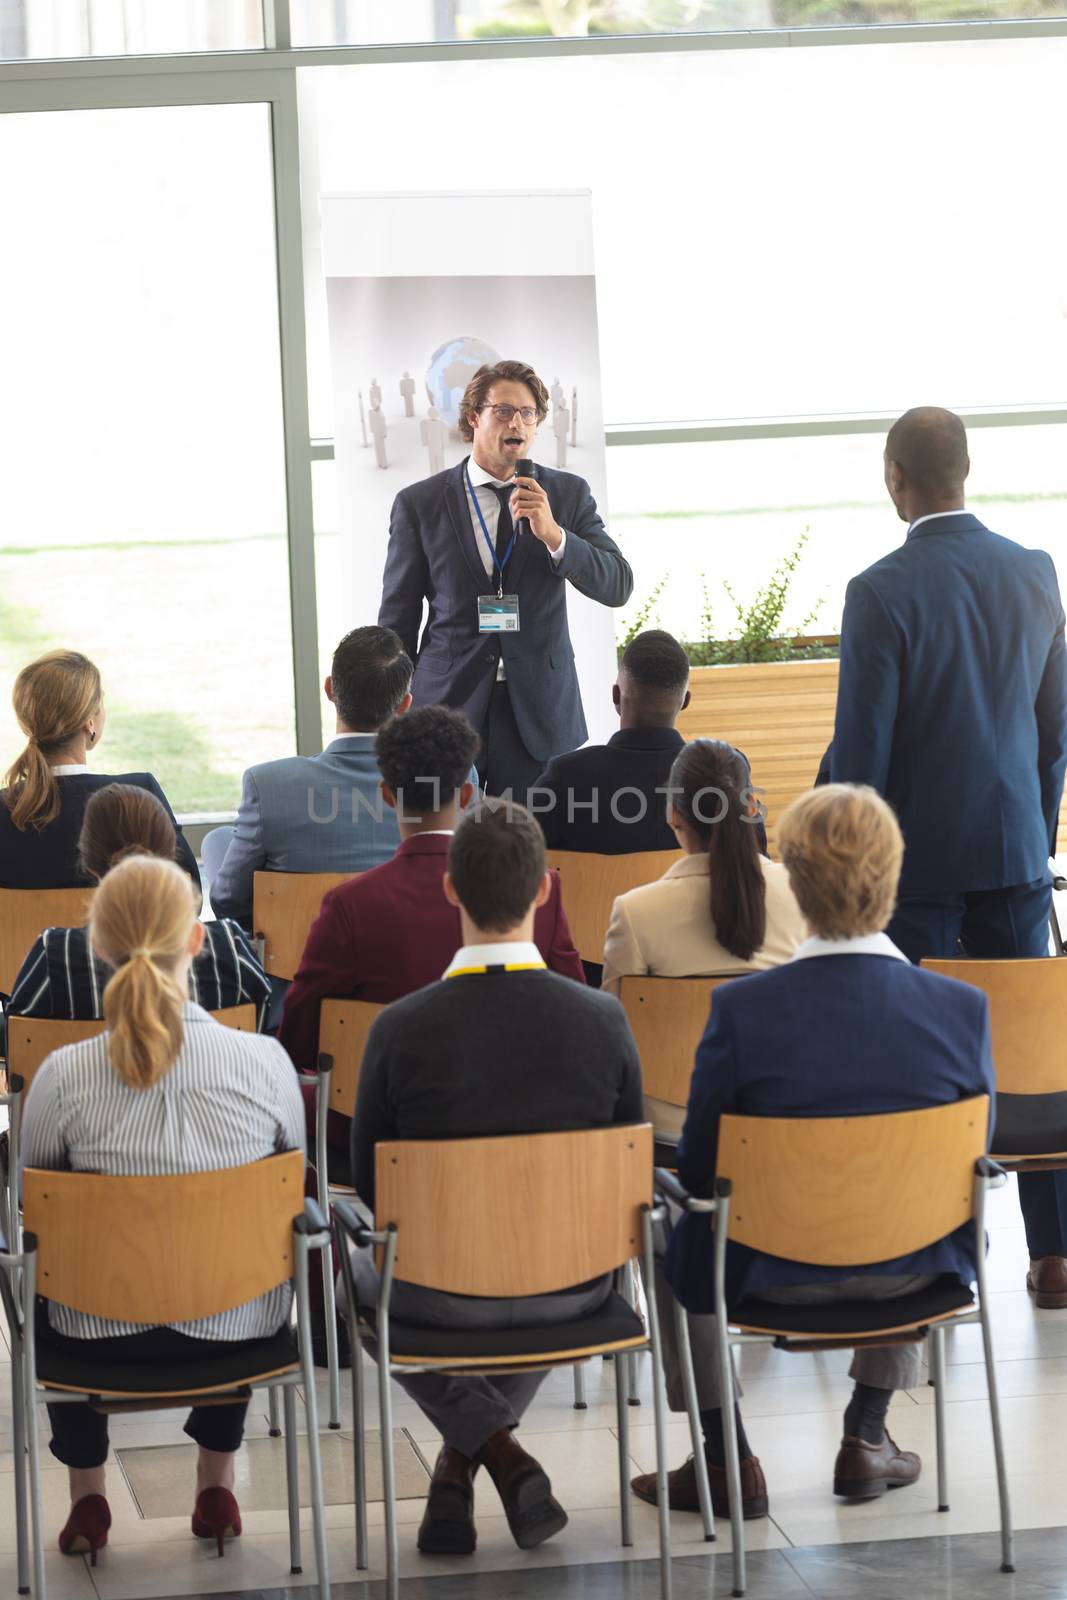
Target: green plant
[
  {"x": 643, "y": 615},
  {"x": 760, "y": 633}
]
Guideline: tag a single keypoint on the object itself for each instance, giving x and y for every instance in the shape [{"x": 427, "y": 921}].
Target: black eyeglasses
[{"x": 506, "y": 413}]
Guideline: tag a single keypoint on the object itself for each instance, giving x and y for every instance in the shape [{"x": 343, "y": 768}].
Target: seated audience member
[
  {"x": 721, "y": 909},
  {"x": 500, "y": 1046},
  {"x": 59, "y": 703},
  {"x": 848, "y": 1028},
  {"x": 164, "y": 1090},
  {"x": 62, "y": 977},
  {"x": 391, "y": 930},
  {"x": 318, "y": 813}
]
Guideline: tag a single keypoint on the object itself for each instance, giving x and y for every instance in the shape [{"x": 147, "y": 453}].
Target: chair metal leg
[
  {"x": 329, "y": 1300},
  {"x": 631, "y": 1293},
  {"x": 311, "y": 1407},
  {"x": 696, "y": 1432},
  {"x": 1007, "y": 1537},
  {"x": 292, "y": 1475},
  {"x": 579, "y": 1387},
  {"x": 659, "y": 1408},
  {"x": 937, "y": 1363},
  {"x": 359, "y": 1449},
  {"x": 733, "y": 1462},
  {"x": 623, "y": 1416},
  {"x": 33, "y": 1446},
  {"x": 18, "y": 1430},
  {"x": 274, "y": 1427},
  {"x": 385, "y": 1414}
]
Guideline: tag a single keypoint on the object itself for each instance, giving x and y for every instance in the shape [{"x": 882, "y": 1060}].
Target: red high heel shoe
[
  {"x": 217, "y": 1516},
  {"x": 86, "y": 1527}
]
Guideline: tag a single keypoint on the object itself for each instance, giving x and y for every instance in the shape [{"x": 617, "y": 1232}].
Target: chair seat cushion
[
  {"x": 228, "y": 1366},
  {"x": 1030, "y": 1124},
  {"x": 615, "y": 1323},
  {"x": 858, "y": 1317},
  {"x": 338, "y": 1167}
]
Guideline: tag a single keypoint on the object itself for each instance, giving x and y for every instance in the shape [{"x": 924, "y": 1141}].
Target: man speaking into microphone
[{"x": 489, "y": 545}]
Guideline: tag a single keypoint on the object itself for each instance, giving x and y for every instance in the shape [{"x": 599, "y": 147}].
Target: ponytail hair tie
[{"x": 140, "y": 950}]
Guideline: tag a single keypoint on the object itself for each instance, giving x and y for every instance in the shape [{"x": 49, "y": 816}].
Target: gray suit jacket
[{"x": 307, "y": 814}]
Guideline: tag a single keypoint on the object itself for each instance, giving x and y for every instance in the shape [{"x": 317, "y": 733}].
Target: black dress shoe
[
  {"x": 533, "y": 1513},
  {"x": 447, "y": 1527}
]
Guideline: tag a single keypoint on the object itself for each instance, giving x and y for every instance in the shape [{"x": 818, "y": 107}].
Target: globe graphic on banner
[{"x": 451, "y": 368}]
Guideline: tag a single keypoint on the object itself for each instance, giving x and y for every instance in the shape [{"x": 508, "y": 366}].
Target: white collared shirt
[
  {"x": 72, "y": 769},
  {"x": 519, "y": 954},
  {"x": 961, "y": 511},
  {"x": 868, "y": 944}
]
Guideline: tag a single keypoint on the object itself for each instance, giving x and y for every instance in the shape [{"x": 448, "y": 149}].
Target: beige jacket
[{"x": 665, "y": 929}]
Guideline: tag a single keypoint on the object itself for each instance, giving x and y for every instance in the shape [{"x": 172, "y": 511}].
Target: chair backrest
[
  {"x": 31, "y": 1039},
  {"x": 590, "y": 885},
  {"x": 667, "y": 1017},
  {"x": 284, "y": 905},
  {"x": 25, "y": 913},
  {"x": 343, "y": 1029},
  {"x": 153, "y": 1249},
  {"x": 1027, "y": 1019},
  {"x": 849, "y": 1191},
  {"x": 521, "y": 1215}
]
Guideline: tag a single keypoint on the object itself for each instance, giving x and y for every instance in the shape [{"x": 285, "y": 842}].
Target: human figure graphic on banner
[
  {"x": 379, "y": 430},
  {"x": 433, "y": 432},
  {"x": 561, "y": 421},
  {"x": 574, "y": 418},
  {"x": 363, "y": 419},
  {"x": 556, "y": 392},
  {"x": 375, "y": 392},
  {"x": 407, "y": 389}
]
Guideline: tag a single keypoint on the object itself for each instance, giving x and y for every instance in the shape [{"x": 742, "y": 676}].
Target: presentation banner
[{"x": 422, "y": 289}]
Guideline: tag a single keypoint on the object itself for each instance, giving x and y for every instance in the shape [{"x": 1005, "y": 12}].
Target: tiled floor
[{"x": 897, "y": 1547}]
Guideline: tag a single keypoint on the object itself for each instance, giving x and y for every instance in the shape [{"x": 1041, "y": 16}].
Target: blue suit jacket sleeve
[
  {"x": 1051, "y": 710},
  {"x": 231, "y": 891},
  {"x": 591, "y": 559},
  {"x": 711, "y": 1093},
  {"x": 868, "y": 690},
  {"x": 406, "y": 579}
]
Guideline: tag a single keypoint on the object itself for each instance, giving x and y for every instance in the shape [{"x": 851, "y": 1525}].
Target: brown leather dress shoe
[
  {"x": 864, "y": 1471},
  {"x": 525, "y": 1492},
  {"x": 682, "y": 1489},
  {"x": 1047, "y": 1282},
  {"x": 447, "y": 1527}
]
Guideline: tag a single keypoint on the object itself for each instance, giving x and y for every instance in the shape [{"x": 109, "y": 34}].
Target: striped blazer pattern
[
  {"x": 61, "y": 977},
  {"x": 230, "y": 1098}
]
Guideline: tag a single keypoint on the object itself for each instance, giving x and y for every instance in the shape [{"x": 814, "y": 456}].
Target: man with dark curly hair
[
  {"x": 490, "y": 550},
  {"x": 391, "y": 931}
]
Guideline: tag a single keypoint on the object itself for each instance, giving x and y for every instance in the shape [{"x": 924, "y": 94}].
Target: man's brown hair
[
  {"x": 496, "y": 862},
  {"x": 842, "y": 848},
  {"x": 476, "y": 393}
]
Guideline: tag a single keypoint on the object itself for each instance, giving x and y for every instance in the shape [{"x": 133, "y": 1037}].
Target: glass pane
[
  {"x": 740, "y": 273},
  {"x": 693, "y": 517},
  {"x": 143, "y": 498},
  {"x": 325, "y": 22},
  {"x": 35, "y": 29}
]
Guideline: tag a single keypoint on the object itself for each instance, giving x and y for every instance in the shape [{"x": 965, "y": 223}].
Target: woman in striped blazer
[
  {"x": 165, "y": 1089},
  {"x": 61, "y": 977}
]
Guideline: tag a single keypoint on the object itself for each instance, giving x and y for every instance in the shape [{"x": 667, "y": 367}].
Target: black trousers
[
  {"x": 79, "y": 1434},
  {"x": 503, "y": 761}
]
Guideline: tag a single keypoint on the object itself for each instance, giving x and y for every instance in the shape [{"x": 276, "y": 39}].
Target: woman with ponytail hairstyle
[
  {"x": 722, "y": 909},
  {"x": 59, "y": 704},
  {"x": 164, "y": 1089}
]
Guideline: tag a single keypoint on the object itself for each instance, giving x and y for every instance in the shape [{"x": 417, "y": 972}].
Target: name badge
[{"x": 498, "y": 613}]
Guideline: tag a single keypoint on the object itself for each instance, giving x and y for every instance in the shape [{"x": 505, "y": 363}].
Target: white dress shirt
[
  {"x": 961, "y": 511},
  {"x": 866, "y": 944},
  {"x": 511, "y": 954}
]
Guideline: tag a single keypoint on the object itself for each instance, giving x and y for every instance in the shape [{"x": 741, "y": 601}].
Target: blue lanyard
[{"x": 498, "y": 564}]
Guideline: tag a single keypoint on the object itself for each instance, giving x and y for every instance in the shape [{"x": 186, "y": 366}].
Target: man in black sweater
[{"x": 499, "y": 1046}]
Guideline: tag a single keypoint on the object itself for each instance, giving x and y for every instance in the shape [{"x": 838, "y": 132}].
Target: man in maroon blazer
[{"x": 391, "y": 930}]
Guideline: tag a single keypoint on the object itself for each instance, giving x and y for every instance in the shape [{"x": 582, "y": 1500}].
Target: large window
[
  {"x": 142, "y": 498},
  {"x": 40, "y": 28}
]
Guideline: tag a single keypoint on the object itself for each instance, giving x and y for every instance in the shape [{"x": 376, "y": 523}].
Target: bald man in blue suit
[{"x": 952, "y": 703}]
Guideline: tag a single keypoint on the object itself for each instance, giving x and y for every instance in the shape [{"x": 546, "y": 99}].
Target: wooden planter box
[{"x": 781, "y": 714}]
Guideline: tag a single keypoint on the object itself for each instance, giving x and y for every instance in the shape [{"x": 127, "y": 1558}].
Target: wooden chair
[
  {"x": 284, "y": 905},
  {"x": 591, "y": 884},
  {"x": 150, "y": 1250},
  {"x": 26, "y": 913},
  {"x": 667, "y": 1018},
  {"x": 848, "y": 1192},
  {"x": 343, "y": 1029},
  {"x": 502, "y": 1218}
]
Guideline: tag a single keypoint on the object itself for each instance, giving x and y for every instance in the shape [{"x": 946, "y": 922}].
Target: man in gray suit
[{"x": 319, "y": 813}]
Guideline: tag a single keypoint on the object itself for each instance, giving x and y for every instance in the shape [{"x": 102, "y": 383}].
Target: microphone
[{"x": 523, "y": 469}]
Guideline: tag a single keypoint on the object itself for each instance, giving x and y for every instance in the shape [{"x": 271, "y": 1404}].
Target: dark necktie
[{"x": 504, "y": 528}]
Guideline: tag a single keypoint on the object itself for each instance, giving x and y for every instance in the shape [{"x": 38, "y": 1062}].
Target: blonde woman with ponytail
[
  {"x": 59, "y": 705},
  {"x": 164, "y": 1089}
]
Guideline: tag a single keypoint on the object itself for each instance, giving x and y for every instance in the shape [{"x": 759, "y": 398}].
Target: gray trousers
[
  {"x": 468, "y": 1411},
  {"x": 891, "y": 1366}
]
